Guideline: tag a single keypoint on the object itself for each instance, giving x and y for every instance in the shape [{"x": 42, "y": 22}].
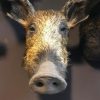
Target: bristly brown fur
[
  {"x": 34, "y": 44},
  {"x": 90, "y": 33}
]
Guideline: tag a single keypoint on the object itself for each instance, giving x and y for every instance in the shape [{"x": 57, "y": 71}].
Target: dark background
[{"x": 84, "y": 80}]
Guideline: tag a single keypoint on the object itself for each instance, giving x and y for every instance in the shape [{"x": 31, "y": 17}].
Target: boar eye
[
  {"x": 32, "y": 28},
  {"x": 63, "y": 28}
]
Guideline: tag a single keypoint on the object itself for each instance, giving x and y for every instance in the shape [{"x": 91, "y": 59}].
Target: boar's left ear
[{"x": 74, "y": 12}]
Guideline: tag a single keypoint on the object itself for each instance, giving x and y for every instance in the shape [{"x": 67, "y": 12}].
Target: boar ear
[
  {"x": 74, "y": 12},
  {"x": 18, "y": 10}
]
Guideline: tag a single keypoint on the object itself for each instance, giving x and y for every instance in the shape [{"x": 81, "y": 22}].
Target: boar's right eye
[{"x": 32, "y": 28}]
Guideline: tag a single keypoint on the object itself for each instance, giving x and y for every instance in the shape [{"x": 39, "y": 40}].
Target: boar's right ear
[
  {"x": 74, "y": 11},
  {"x": 18, "y": 10}
]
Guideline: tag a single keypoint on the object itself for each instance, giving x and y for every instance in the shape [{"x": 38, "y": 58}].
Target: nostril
[
  {"x": 39, "y": 83},
  {"x": 55, "y": 84}
]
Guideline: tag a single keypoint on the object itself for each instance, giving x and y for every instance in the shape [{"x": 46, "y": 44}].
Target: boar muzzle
[{"x": 47, "y": 80}]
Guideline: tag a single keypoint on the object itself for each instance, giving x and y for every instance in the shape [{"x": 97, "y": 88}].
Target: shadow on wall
[{"x": 3, "y": 50}]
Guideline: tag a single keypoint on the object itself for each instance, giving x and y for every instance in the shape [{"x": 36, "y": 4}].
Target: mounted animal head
[{"x": 46, "y": 57}]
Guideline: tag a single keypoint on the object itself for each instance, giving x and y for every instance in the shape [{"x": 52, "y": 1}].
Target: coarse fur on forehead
[
  {"x": 45, "y": 14},
  {"x": 39, "y": 17}
]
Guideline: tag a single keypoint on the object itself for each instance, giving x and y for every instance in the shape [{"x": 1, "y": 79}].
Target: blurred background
[{"x": 83, "y": 79}]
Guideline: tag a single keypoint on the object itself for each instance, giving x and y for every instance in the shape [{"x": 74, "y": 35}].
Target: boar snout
[{"x": 47, "y": 80}]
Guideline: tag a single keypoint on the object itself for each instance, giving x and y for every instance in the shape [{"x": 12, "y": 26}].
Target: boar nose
[{"x": 47, "y": 80}]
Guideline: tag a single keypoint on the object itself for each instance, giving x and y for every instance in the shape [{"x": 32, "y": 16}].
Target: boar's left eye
[{"x": 63, "y": 28}]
